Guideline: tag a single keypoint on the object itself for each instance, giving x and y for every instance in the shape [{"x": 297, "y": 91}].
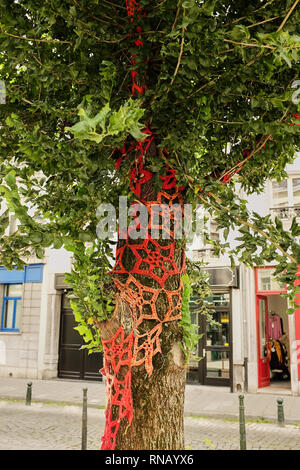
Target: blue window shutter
[
  {"x": 11, "y": 277},
  {"x": 34, "y": 273},
  {"x": 2, "y": 315}
]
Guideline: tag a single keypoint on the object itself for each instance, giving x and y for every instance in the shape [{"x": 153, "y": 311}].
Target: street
[{"x": 43, "y": 426}]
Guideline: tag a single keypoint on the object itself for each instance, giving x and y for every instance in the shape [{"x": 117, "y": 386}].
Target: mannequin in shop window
[
  {"x": 278, "y": 354},
  {"x": 284, "y": 340},
  {"x": 278, "y": 358}
]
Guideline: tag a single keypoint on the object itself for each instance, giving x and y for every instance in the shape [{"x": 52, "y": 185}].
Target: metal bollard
[
  {"x": 280, "y": 413},
  {"x": 28, "y": 393},
  {"x": 242, "y": 424},
  {"x": 84, "y": 421}
]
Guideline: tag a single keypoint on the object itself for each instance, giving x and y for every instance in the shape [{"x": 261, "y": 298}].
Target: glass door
[
  {"x": 217, "y": 346},
  {"x": 216, "y": 342}
]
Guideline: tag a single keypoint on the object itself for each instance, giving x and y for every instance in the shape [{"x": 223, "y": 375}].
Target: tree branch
[
  {"x": 55, "y": 41},
  {"x": 262, "y": 22},
  {"x": 253, "y": 151},
  {"x": 93, "y": 16},
  {"x": 288, "y": 15},
  {"x": 251, "y": 44},
  {"x": 114, "y": 4},
  {"x": 246, "y": 223},
  {"x": 179, "y": 57},
  {"x": 176, "y": 16}
]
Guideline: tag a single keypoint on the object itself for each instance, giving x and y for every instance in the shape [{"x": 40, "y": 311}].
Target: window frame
[
  {"x": 6, "y": 298},
  {"x": 294, "y": 177},
  {"x": 290, "y": 192},
  {"x": 265, "y": 292}
]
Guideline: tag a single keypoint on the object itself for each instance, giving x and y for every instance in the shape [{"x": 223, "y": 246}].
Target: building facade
[
  {"x": 30, "y": 314},
  {"x": 255, "y": 346},
  {"x": 37, "y": 336},
  {"x": 241, "y": 346}
]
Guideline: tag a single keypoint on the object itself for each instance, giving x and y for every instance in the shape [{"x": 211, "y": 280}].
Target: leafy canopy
[{"x": 219, "y": 78}]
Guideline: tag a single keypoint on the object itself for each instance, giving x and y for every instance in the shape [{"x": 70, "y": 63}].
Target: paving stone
[{"x": 59, "y": 428}]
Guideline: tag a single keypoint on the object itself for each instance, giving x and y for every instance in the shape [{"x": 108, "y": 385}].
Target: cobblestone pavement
[{"x": 57, "y": 427}]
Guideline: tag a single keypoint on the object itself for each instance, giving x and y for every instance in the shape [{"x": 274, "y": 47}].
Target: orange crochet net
[
  {"x": 155, "y": 261},
  {"x": 152, "y": 259},
  {"x": 131, "y": 6},
  {"x": 117, "y": 357}
]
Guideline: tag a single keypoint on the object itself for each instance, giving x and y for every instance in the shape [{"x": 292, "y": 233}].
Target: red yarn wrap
[
  {"x": 157, "y": 262},
  {"x": 117, "y": 355},
  {"x": 152, "y": 259}
]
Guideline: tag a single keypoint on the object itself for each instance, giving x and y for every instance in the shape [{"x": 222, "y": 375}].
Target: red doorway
[
  {"x": 269, "y": 304},
  {"x": 262, "y": 341}
]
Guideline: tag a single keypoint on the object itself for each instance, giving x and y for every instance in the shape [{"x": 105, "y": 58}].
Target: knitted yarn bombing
[
  {"x": 156, "y": 262},
  {"x": 153, "y": 258},
  {"x": 117, "y": 355},
  {"x": 131, "y": 6}
]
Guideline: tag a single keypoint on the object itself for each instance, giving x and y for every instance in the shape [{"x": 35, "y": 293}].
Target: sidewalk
[{"x": 200, "y": 400}]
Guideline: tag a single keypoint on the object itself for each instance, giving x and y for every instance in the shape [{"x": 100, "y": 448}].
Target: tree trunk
[
  {"x": 158, "y": 407},
  {"x": 157, "y": 399},
  {"x": 143, "y": 362}
]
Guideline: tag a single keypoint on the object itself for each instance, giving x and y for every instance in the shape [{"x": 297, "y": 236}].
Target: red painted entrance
[
  {"x": 262, "y": 341},
  {"x": 297, "y": 324},
  {"x": 265, "y": 288}
]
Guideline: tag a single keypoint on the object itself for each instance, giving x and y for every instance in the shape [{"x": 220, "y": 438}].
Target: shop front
[
  {"x": 215, "y": 345},
  {"x": 278, "y": 334}
]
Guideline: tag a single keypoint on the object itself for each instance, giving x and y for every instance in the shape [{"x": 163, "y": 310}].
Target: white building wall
[
  {"x": 238, "y": 342},
  {"x": 57, "y": 261},
  {"x": 244, "y": 329},
  {"x": 32, "y": 352},
  {"x": 19, "y": 350}
]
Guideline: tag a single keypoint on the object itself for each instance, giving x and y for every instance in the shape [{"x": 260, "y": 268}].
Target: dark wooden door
[{"x": 73, "y": 362}]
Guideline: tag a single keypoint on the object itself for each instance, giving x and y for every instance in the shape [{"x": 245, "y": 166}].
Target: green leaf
[
  {"x": 137, "y": 133},
  {"x": 286, "y": 58},
  {"x": 225, "y": 233},
  {"x": 57, "y": 243},
  {"x": 239, "y": 33},
  {"x": 10, "y": 180},
  {"x": 36, "y": 237},
  {"x": 290, "y": 311},
  {"x": 208, "y": 7}
]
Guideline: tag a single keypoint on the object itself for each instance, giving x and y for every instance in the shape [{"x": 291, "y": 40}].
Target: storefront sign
[{"x": 223, "y": 276}]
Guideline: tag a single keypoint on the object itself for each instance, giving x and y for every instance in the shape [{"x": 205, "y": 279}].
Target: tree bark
[
  {"x": 158, "y": 399},
  {"x": 144, "y": 363},
  {"x": 158, "y": 403}
]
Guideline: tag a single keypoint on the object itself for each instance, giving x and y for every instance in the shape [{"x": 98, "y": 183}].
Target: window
[
  {"x": 287, "y": 192},
  {"x": 296, "y": 191},
  {"x": 266, "y": 281},
  {"x": 280, "y": 193},
  {"x": 286, "y": 198},
  {"x": 218, "y": 300},
  {"x": 11, "y": 307}
]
